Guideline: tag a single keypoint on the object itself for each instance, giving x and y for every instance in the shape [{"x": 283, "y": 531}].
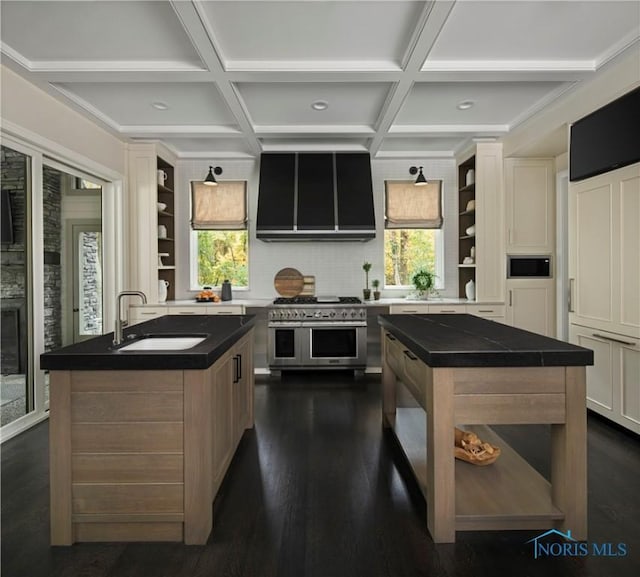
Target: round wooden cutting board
[{"x": 288, "y": 282}]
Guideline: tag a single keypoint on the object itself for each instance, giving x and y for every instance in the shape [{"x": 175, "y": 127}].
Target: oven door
[
  {"x": 333, "y": 345},
  {"x": 285, "y": 346}
]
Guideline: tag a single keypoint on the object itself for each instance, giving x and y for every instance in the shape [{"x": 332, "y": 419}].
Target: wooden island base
[
  {"x": 509, "y": 494},
  {"x": 140, "y": 455}
]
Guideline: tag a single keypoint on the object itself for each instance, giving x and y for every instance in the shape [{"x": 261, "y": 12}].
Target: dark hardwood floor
[{"x": 317, "y": 489}]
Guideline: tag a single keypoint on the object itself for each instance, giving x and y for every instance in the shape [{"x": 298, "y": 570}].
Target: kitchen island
[
  {"x": 140, "y": 440},
  {"x": 468, "y": 372}
]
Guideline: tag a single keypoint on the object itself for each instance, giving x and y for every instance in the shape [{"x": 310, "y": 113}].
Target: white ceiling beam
[
  {"x": 194, "y": 21},
  {"x": 427, "y": 30}
]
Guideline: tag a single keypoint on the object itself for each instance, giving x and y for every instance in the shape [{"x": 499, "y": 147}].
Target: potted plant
[
  {"x": 376, "y": 293},
  {"x": 424, "y": 281},
  {"x": 366, "y": 267}
]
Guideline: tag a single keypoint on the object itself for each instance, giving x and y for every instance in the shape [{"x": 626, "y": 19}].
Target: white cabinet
[
  {"x": 613, "y": 382},
  {"x": 530, "y": 205},
  {"x": 140, "y": 314},
  {"x": 604, "y": 251},
  {"x": 225, "y": 309},
  {"x": 409, "y": 309},
  {"x": 531, "y": 305},
  {"x": 447, "y": 309},
  {"x": 494, "y": 312},
  {"x": 207, "y": 310}
]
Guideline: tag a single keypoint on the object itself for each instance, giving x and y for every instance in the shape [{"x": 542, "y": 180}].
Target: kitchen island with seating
[
  {"x": 464, "y": 371},
  {"x": 140, "y": 436}
]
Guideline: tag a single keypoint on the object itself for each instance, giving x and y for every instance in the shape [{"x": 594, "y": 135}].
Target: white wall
[
  {"x": 337, "y": 266},
  {"x": 32, "y": 109},
  {"x": 616, "y": 79}
]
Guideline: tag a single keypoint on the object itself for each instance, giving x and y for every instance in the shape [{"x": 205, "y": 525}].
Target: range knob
[{"x": 317, "y": 314}]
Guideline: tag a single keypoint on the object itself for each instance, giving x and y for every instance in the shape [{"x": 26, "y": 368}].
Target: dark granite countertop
[
  {"x": 98, "y": 353},
  {"x": 461, "y": 340}
]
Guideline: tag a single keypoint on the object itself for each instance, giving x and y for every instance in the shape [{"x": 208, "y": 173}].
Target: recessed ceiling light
[
  {"x": 465, "y": 104},
  {"x": 159, "y": 105},
  {"x": 320, "y": 105}
]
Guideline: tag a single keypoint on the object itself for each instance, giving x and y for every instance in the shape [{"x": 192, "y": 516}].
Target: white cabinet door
[
  {"x": 604, "y": 251},
  {"x": 530, "y": 205},
  {"x": 493, "y": 312},
  {"x": 613, "y": 382},
  {"x": 490, "y": 246},
  {"x": 225, "y": 309},
  {"x": 409, "y": 309},
  {"x": 447, "y": 309},
  {"x": 138, "y": 314},
  {"x": 531, "y": 305}
]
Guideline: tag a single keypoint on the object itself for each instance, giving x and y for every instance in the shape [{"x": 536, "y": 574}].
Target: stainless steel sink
[{"x": 164, "y": 343}]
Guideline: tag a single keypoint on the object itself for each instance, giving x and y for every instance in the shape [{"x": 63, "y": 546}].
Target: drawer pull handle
[
  {"x": 410, "y": 355},
  {"x": 630, "y": 343},
  {"x": 148, "y": 314},
  {"x": 447, "y": 311},
  {"x": 187, "y": 313},
  {"x": 390, "y": 337},
  {"x": 485, "y": 311},
  {"x": 409, "y": 310}
]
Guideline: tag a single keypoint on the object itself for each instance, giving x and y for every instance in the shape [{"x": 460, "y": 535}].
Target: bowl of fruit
[{"x": 206, "y": 295}]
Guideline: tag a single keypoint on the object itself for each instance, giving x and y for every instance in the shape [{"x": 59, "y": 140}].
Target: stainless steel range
[{"x": 317, "y": 333}]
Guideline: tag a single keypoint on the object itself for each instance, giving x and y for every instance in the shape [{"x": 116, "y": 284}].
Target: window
[
  {"x": 219, "y": 239},
  {"x": 413, "y": 235}
]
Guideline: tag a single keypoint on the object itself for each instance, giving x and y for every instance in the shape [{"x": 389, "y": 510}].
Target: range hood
[{"x": 315, "y": 196}]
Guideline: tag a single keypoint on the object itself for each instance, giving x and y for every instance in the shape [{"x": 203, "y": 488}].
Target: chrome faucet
[{"x": 117, "y": 333}]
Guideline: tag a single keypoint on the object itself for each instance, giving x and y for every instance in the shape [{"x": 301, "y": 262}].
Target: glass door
[
  {"x": 87, "y": 281},
  {"x": 16, "y": 380}
]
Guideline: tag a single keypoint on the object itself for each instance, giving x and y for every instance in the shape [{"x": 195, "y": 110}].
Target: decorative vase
[
  {"x": 376, "y": 295},
  {"x": 163, "y": 285},
  {"x": 366, "y": 293},
  {"x": 471, "y": 176},
  {"x": 470, "y": 290}
]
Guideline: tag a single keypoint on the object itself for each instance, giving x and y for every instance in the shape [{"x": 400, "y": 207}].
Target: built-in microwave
[{"x": 528, "y": 266}]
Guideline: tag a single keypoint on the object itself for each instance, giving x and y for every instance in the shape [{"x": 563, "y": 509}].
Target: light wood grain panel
[
  {"x": 128, "y": 468},
  {"x": 440, "y": 440},
  {"x": 509, "y": 380},
  {"x": 151, "y": 381},
  {"x": 569, "y": 457},
  {"x": 508, "y": 409},
  {"x": 509, "y": 488},
  {"x": 393, "y": 350},
  {"x": 388, "y": 386},
  {"x": 60, "y": 457},
  {"x": 128, "y": 498},
  {"x": 92, "y": 532},
  {"x": 130, "y": 406},
  {"x": 127, "y": 437},
  {"x": 128, "y": 517},
  {"x": 198, "y": 452},
  {"x": 416, "y": 377}
]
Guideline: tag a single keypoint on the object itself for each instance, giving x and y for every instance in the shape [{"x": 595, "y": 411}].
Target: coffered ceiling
[{"x": 229, "y": 79}]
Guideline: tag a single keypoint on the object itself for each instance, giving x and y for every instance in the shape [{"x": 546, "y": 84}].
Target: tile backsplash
[{"x": 337, "y": 266}]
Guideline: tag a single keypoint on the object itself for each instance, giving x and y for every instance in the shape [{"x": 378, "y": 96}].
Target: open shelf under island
[{"x": 470, "y": 372}]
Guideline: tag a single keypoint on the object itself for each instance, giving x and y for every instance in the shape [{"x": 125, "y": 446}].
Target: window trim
[
  {"x": 193, "y": 260},
  {"x": 439, "y": 268}
]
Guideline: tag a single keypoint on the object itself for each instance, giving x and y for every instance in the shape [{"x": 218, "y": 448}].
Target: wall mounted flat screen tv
[{"x": 606, "y": 139}]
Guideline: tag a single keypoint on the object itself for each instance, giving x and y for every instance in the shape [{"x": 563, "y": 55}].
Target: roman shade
[
  {"x": 222, "y": 207},
  {"x": 411, "y": 206}
]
